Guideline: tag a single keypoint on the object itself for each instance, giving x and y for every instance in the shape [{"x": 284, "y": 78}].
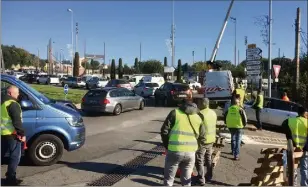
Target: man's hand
[{"x": 22, "y": 138}]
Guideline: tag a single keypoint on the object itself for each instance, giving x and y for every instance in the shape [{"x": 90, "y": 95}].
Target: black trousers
[{"x": 258, "y": 113}]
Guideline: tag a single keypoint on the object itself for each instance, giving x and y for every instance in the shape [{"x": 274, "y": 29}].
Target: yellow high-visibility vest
[
  {"x": 182, "y": 137},
  {"x": 7, "y": 127},
  {"x": 241, "y": 92},
  {"x": 210, "y": 120},
  {"x": 260, "y": 105},
  {"x": 234, "y": 119},
  {"x": 298, "y": 127}
]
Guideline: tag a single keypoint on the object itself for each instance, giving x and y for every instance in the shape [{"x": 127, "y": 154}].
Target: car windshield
[
  {"x": 151, "y": 85},
  {"x": 39, "y": 95},
  {"x": 180, "y": 87}
]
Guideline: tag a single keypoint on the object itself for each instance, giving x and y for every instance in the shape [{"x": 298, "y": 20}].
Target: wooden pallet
[{"x": 271, "y": 171}]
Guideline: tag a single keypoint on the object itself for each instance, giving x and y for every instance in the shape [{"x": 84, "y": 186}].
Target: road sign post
[
  {"x": 65, "y": 88},
  {"x": 253, "y": 62}
]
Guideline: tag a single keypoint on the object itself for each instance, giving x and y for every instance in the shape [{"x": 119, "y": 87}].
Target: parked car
[
  {"x": 48, "y": 79},
  {"x": 29, "y": 78},
  {"x": 146, "y": 89},
  {"x": 120, "y": 83},
  {"x": 50, "y": 126},
  {"x": 111, "y": 100},
  {"x": 194, "y": 85},
  {"x": 274, "y": 111},
  {"x": 172, "y": 93},
  {"x": 96, "y": 82},
  {"x": 74, "y": 82},
  {"x": 18, "y": 74}
]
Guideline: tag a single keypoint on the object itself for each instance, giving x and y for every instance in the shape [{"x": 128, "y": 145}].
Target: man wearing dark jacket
[
  {"x": 12, "y": 133},
  {"x": 182, "y": 133}
]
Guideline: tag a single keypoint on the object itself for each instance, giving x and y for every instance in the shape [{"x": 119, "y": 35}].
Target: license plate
[{"x": 181, "y": 95}]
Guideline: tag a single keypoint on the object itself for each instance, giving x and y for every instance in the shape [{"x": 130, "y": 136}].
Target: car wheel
[
  {"x": 141, "y": 106},
  {"x": 117, "y": 110},
  {"x": 46, "y": 150}
]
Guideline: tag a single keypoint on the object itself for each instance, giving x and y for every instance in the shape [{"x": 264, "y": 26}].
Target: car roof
[{"x": 272, "y": 98}]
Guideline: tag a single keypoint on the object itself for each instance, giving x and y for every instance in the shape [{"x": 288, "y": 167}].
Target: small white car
[
  {"x": 18, "y": 74},
  {"x": 194, "y": 85},
  {"x": 96, "y": 82},
  {"x": 48, "y": 79},
  {"x": 146, "y": 89}
]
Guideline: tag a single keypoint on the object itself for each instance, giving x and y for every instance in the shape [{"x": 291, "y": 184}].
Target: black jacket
[
  {"x": 14, "y": 112},
  {"x": 170, "y": 122}
]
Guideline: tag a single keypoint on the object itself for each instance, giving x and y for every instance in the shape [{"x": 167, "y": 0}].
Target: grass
[{"x": 54, "y": 92}]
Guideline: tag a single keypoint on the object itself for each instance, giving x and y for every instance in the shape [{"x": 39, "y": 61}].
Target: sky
[{"x": 122, "y": 25}]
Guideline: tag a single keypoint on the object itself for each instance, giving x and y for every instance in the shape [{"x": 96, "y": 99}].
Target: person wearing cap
[
  {"x": 182, "y": 133},
  {"x": 205, "y": 154},
  {"x": 236, "y": 120},
  {"x": 296, "y": 129}
]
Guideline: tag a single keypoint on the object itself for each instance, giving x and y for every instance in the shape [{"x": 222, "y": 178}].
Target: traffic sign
[
  {"x": 253, "y": 54},
  {"x": 249, "y": 63},
  {"x": 276, "y": 70},
  {"x": 253, "y": 51},
  {"x": 65, "y": 89},
  {"x": 254, "y": 72},
  {"x": 168, "y": 69},
  {"x": 257, "y": 67}
]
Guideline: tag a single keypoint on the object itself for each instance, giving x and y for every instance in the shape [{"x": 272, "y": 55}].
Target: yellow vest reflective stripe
[
  {"x": 298, "y": 127},
  {"x": 182, "y": 137},
  {"x": 260, "y": 105},
  {"x": 241, "y": 92},
  {"x": 234, "y": 119},
  {"x": 210, "y": 120},
  {"x": 7, "y": 127}
]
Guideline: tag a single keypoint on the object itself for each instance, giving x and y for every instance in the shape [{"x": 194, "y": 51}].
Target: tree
[
  {"x": 151, "y": 66},
  {"x": 136, "y": 66},
  {"x": 127, "y": 69},
  {"x": 94, "y": 65},
  {"x": 179, "y": 71},
  {"x": 76, "y": 65},
  {"x": 120, "y": 69},
  {"x": 199, "y": 66},
  {"x": 165, "y": 64},
  {"x": 113, "y": 69}
]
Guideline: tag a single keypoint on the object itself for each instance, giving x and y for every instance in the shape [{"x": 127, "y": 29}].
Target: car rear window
[
  {"x": 97, "y": 93},
  {"x": 180, "y": 87},
  {"x": 52, "y": 76},
  {"x": 151, "y": 85},
  {"x": 122, "y": 82}
]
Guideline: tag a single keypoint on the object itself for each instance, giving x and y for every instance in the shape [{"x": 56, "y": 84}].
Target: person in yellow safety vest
[
  {"x": 258, "y": 106},
  {"x": 296, "y": 129},
  {"x": 11, "y": 128},
  {"x": 209, "y": 119},
  {"x": 241, "y": 91},
  {"x": 182, "y": 133},
  {"x": 236, "y": 120}
]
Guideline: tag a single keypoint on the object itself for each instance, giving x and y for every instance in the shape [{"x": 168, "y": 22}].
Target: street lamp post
[
  {"x": 234, "y": 20},
  {"x": 72, "y": 47}
]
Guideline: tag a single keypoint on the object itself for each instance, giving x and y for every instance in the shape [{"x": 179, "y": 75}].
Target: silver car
[
  {"x": 111, "y": 100},
  {"x": 274, "y": 111}
]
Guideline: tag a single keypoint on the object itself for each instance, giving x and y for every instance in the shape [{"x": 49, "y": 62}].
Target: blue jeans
[
  {"x": 304, "y": 170},
  {"x": 13, "y": 147},
  {"x": 236, "y": 138}
]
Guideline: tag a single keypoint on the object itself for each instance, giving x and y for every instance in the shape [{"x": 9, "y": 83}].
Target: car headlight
[{"x": 75, "y": 121}]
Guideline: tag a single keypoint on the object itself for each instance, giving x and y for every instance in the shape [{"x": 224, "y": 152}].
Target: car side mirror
[{"x": 26, "y": 104}]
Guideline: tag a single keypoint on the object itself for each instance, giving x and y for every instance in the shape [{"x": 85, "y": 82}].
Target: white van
[
  {"x": 218, "y": 87},
  {"x": 135, "y": 80},
  {"x": 154, "y": 79}
]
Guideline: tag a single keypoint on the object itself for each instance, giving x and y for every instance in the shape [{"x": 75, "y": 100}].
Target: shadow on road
[
  {"x": 149, "y": 142},
  {"x": 151, "y": 172},
  {"x": 103, "y": 168},
  {"x": 140, "y": 150},
  {"x": 152, "y": 132},
  {"x": 158, "y": 120}
]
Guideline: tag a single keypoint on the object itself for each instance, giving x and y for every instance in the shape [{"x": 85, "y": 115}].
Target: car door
[
  {"x": 251, "y": 113},
  {"x": 159, "y": 92},
  {"x": 137, "y": 88},
  {"x": 278, "y": 112},
  {"x": 122, "y": 99},
  {"x": 133, "y": 99},
  {"x": 29, "y": 116},
  {"x": 129, "y": 98}
]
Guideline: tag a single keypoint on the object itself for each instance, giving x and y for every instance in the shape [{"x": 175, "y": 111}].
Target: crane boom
[{"x": 221, "y": 32}]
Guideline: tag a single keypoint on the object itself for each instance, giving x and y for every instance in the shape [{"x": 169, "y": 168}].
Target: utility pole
[
  {"x": 85, "y": 56},
  {"x": 279, "y": 53},
  {"x": 297, "y": 51},
  {"x": 269, "y": 50},
  {"x": 238, "y": 57},
  {"x": 140, "y": 52},
  {"x": 38, "y": 61},
  {"x": 104, "y": 53},
  {"x": 234, "y": 20},
  {"x": 246, "y": 41},
  {"x": 76, "y": 38},
  {"x": 205, "y": 55},
  {"x": 172, "y": 37},
  {"x": 193, "y": 55},
  {"x": 221, "y": 32}
]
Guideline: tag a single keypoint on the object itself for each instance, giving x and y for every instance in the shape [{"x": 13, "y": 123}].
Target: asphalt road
[{"x": 106, "y": 134}]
